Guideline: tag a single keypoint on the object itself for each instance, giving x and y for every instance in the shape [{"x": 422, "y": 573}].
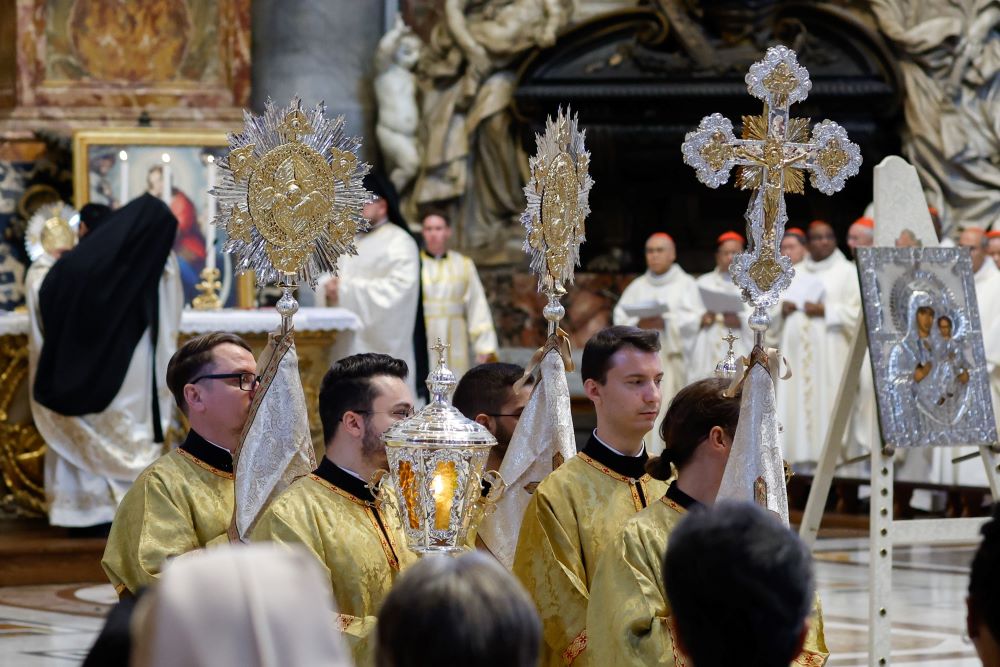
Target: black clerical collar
[
  {"x": 443, "y": 255},
  {"x": 675, "y": 494},
  {"x": 213, "y": 455},
  {"x": 330, "y": 472},
  {"x": 627, "y": 466}
]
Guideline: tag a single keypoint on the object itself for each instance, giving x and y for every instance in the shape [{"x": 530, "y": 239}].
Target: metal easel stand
[{"x": 884, "y": 532}]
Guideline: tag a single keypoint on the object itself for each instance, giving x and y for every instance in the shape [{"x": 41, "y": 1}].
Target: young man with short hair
[
  {"x": 580, "y": 508},
  {"x": 737, "y": 578},
  {"x": 184, "y": 500},
  {"x": 332, "y": 512},
  {"x": 486, "y": 395},
  {"x": 665, "y": 282}
]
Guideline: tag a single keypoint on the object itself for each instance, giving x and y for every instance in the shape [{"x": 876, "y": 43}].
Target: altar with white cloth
[{"x": 322, "y": 335}]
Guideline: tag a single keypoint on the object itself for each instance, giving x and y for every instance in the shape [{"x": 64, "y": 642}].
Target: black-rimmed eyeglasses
[
  {"x": 248, "y": 381},
  {"x": 398, "y": 415}
]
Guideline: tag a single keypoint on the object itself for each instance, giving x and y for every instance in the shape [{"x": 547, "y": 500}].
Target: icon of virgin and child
[{"x": 929, "y": 369}]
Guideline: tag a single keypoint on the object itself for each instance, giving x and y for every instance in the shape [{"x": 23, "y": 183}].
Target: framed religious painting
[
  {"x": 114, "y": 166},
  {"x": 926, "y": 344}
]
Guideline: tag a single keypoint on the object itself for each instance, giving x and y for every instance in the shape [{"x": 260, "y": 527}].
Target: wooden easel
[{"x": 884, "y": 532}]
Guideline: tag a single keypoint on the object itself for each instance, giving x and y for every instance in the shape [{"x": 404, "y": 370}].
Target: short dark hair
[
  {"x": 693, "y": 412},
  {"x": 438, "y": 212},
  {"x": 191, "y": 358},
  {"x": 347, "y": 387},
  {"x": 603, "y": 344},
  {"x": 486, "y": 387},
  {"x": 467, "y": 610},
  {"x": 984, "y": 578},
  {"x": 760, "y": 605}
]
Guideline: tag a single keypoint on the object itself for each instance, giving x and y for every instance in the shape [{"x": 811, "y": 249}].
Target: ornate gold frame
[{"x": 137, "y": 136}]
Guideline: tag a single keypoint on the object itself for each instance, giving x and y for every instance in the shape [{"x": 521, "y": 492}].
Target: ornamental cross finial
[
  {"x": 441, "y": 348},
  {"x": 770, "y": 158}
]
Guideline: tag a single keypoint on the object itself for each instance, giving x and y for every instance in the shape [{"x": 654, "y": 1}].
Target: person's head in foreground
[
  {"x": 256, "y": 605},
  {"x": 360, "y": 398},
  {"x": 738, "y": 580},
  {"x": 621, "y": 371},
  {"x": 213, "y": 378},
  {"x": 486, "y": 395},
  {"x": 465, "y": 610},
  {"x": 698, "y": 430},
  {"x": 983, "y": 603}
]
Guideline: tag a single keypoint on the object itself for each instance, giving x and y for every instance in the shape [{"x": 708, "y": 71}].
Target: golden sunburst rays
[
  {"x": 558, "y": 202},
  {"x": 755, "y": 129},
  {"x": 291, "y": 194}
]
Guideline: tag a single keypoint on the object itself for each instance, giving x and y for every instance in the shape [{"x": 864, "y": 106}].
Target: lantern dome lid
[{"x": 439, "y": 423}]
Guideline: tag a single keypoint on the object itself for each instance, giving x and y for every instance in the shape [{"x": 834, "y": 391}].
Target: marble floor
[{"x": 53, "y": 626}]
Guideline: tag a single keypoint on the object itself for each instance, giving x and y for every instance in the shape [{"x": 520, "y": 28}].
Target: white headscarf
[{"x": 257, "y": 605}]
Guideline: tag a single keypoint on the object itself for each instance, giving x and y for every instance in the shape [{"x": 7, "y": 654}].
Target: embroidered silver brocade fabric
[
  {"x": 544, "y": 430},
  {"x": 747, "y": 462},
  {"x": 278, "y": 447}
]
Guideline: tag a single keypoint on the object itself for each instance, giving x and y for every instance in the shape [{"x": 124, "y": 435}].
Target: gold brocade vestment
[
  {"x": 361, "y": 549},
  {"x": 182, "y": 502},
  {"x": 573, "y": 516},
  {"x": 628, "y": 621}
]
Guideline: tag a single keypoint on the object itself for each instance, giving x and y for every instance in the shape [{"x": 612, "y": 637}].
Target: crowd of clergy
[{"x": 621, "y": 558}]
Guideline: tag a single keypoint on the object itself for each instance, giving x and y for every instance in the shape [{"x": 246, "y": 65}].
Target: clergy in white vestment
[
  {"x": 839, "y": 313},
  {"x": 381, "y": 285},
  {"x": 455, "y": 306},
  {"x": 103, "y": 325},
  {"x": 709, "y": 346},
  {"x": 797, "y": 399},
  {"x": 987, "y": 282},
  {"x": 862, "y": 424},
  {"x": 664, "y": 298}
]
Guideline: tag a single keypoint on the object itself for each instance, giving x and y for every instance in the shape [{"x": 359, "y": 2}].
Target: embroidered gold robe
[
  {"x": 575, "y": 513},
  {"x": 455, "y": 309},
  {"x": 180, "y": 503},
  {"x": 361, "y": 549},
  {"x": 628, "y": 622}
]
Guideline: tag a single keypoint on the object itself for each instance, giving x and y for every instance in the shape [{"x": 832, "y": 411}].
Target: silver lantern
[{"x": 436, "y": 461}]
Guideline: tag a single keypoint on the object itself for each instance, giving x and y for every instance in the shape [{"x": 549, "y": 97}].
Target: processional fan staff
[
  {"x": 771, "y": 159},
  {"x": 290, "y": 198},
  {"x": 557, "y": 207}
]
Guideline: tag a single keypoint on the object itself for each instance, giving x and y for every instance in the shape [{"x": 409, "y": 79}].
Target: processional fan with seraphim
[{"x": 290, "y": 199}]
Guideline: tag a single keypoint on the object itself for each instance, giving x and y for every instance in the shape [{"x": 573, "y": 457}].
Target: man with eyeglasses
[
  {"x": 486, "y": 395},
  {"x": 332, "y": 512},
  {"x": 184, "y": 500}
]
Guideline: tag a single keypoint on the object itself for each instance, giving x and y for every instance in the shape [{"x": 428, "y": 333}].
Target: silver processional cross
[{"x": 770, "y": 159}]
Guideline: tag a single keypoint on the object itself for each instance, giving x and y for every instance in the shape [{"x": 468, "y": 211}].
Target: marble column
[{"x": 320, "y": 50}]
